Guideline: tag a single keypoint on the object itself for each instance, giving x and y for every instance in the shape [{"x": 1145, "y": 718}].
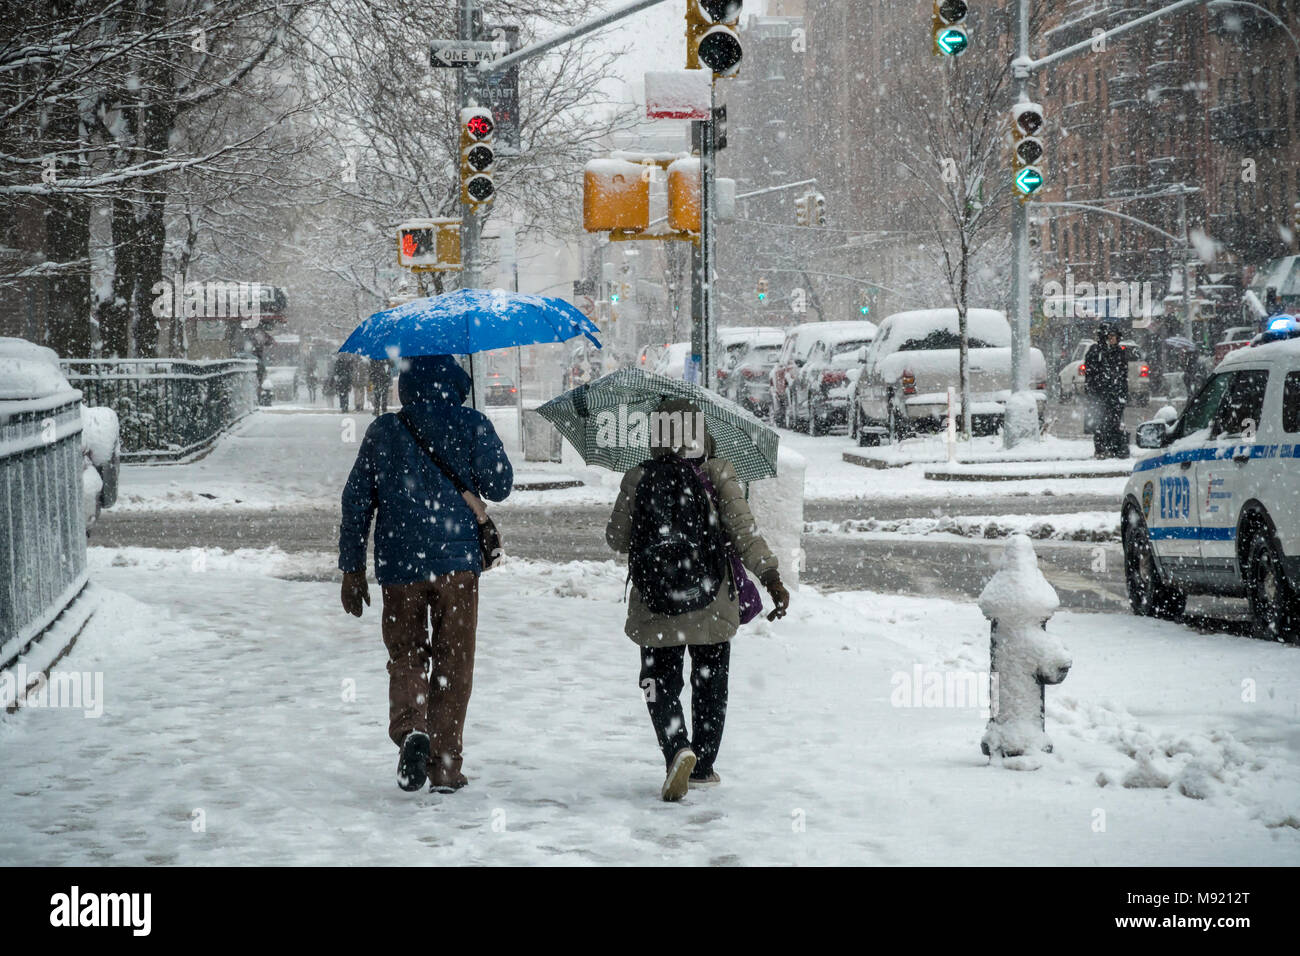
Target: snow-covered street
[{"x": 244, "y": 722}]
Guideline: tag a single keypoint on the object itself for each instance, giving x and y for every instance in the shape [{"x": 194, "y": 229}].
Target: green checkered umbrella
[{"x": 605, "y": 421}]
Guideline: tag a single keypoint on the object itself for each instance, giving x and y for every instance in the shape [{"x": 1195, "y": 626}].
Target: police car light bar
[{"x": 1280, "y": 328}]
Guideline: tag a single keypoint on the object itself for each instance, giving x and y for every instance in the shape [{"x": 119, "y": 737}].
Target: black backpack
[{"x": 677, "y": 556}]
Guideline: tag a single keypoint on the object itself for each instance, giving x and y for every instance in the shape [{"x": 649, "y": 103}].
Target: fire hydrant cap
[{"x": 1018, "y": 592}]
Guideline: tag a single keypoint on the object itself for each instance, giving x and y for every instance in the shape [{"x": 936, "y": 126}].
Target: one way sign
[{"x": 462, "y": 53}]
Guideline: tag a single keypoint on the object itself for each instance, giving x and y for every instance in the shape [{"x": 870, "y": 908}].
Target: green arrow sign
[
  {"x": 951, "y": 40},
  {"x": 1029, "y": 180}
]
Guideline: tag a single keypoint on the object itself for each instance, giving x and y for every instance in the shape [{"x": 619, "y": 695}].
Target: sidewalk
[{"x": 240, "y": 729}]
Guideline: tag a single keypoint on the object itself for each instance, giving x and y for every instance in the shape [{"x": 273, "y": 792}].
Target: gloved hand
[
  {"x": 771, "y": 579},
  {"x": 355, "y": 590}
]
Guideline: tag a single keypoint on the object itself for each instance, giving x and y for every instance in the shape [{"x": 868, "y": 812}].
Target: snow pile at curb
[{"x": 1098, "y": 526}]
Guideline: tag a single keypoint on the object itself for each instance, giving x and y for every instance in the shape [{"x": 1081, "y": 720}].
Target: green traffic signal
[
  {"x": 1029, "y": 180},
  {"x": 951, "y": 41},
  {"x": 762, "y": 297},
  {"x": 865, "y": 309}
]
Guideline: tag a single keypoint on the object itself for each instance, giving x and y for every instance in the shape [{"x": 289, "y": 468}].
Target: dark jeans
[
  {"x": 661, "y": 682},
  {"x": 1108, "y": 439},
  {"x": 343, "y": 399}
]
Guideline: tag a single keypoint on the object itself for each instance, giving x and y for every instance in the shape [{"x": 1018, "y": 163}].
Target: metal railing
[
  {"x": 167, "y": 408},
  {"x": 42, "y": 524}
]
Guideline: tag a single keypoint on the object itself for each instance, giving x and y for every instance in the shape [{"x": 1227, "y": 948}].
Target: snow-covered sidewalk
[{"x": 244, "y": 722}]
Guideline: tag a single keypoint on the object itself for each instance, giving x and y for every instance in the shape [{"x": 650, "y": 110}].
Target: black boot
[{"x": 412, "y": 765}]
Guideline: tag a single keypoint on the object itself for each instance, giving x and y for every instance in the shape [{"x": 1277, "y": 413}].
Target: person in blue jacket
[{"x": 427, "y": 558}]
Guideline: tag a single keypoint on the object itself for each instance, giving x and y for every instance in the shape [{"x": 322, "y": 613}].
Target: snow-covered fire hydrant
[{"x": 1024, "y": 658}]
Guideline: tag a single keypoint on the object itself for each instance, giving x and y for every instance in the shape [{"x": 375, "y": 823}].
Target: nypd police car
[{"x": 1216, "y": 509}]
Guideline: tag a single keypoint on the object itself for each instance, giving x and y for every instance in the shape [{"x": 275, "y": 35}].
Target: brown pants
[{"x": 429, "y": 630}]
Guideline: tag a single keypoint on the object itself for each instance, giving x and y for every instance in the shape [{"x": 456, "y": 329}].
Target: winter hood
[{"x": 432, "y": 378}]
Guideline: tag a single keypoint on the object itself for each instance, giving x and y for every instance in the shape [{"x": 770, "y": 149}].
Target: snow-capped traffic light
[
  {"x": 1027, "y": 148},
  {"x": 803, "y": 210},
  {"x": 712, "y": 41},
  {"x": 762, "y": 290},
  {"x": 429, "y": 245},
  {"x": 950, "y": 37},
  {"x": 477, "y": 156}
]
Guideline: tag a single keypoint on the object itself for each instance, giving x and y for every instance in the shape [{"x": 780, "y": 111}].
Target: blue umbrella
[{"x": 467, "y": 321}]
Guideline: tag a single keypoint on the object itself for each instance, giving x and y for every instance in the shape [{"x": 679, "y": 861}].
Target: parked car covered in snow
[
  {"x": 1237, "y": 337},
  {"x": 799, "y": 341},
  {"x": 27, "y": 367},
  {"x": 1216, "y": 508},
  {"x": 731, "y": 342},
  {"x": 748, "y": 383},
  {"x": 822, "y": 390},
  {"x": 915, "y": 359},
  {"x": 1074, "y": 373},
  {"x": 672, "y": 363}
]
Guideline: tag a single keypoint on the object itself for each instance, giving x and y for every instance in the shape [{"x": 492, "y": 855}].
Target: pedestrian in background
[
  {"x": 381, "y": 380},
  {"x": 1106, "y": 382},
  {"x": 427, "y": 557},
  {"x": 689, "y": 599},
  {"x": 343, "y": 379}
]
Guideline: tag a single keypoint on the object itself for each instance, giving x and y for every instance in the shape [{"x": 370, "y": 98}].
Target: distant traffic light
[
  {"x": 819, "y": 209},
  {"x": 1028, "y": 153},
  {"x": 712, "y": 40},
  {"x": 477, "y": 156},
  {"x": 803, "y": 210},
  {"x": 762, "y": 290},
  {"x": 950, "y": 37}
]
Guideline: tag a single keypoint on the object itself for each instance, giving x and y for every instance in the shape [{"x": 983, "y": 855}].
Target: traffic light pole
[
  {"x": 703, "y": 332},
  {"x": 1019, "y": 310},
  {"x": 1023, "y": 66},
  {"x": 471, "y": 227}
]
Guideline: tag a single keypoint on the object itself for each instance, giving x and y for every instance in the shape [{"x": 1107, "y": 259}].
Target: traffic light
[
  {"x": 712, "y": 41},
  {"x": 950, "y": 37},
  {"x": 819, "y": 209},
  {"x": 803, "y": 210},
  {"x": 762, "y": 290},
  {"x": 477, "y": 156},
  {"x": 1027, "y": 146},
  {"x": 429, "y": 245}
]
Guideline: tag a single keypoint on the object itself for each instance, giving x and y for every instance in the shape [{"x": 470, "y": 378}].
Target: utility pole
[
  {"x": 1188, "y": 311},
  {"x": 703, "y": 331},
  {"x": 1019, "y": 306},
  {"x": 1022, "y": 68}
]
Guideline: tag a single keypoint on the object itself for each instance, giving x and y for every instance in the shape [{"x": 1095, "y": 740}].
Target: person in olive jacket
[
  {"x": 427, "y": 558},
  {"x": 707, "y": 632}
]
